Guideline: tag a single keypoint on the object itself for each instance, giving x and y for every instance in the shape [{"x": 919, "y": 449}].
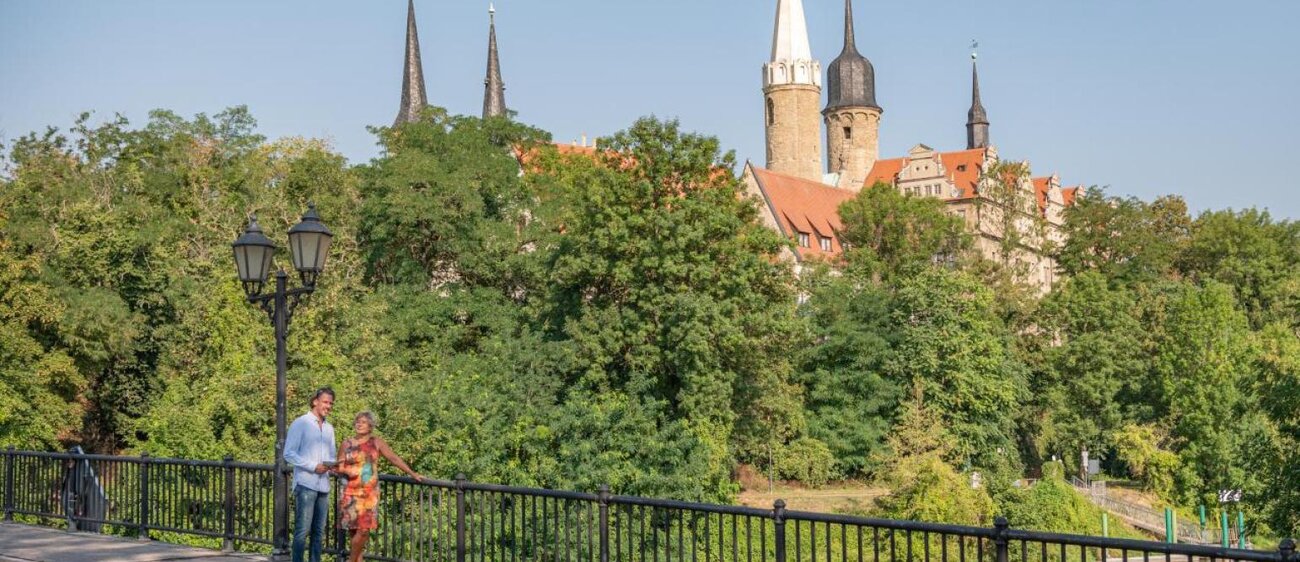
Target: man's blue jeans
[{"x": 310, "y": 513}]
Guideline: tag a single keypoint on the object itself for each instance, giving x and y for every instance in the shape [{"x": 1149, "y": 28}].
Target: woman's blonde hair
[{"x": 370, "y": 416}]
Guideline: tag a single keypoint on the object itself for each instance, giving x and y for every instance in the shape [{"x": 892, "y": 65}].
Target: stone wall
[{"x": 793, "y": 130}]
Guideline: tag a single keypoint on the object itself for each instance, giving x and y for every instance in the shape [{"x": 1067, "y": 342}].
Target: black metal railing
[
  {"x": 229, "y": 505},
  {"x": 226, "y": 501}
]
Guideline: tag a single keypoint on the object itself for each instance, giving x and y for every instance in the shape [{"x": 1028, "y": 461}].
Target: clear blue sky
[{"x": 1146, "y": 96}]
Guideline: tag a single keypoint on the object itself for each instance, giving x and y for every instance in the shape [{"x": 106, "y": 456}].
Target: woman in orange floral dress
[{"x": 359, "y": 463}]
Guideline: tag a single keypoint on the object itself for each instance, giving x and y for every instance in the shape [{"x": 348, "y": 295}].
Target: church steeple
[
  {"x": 413, "y": 95},
  {"x": 494, "y": 90},
  {"x": 852, "y": 114},
  {"x": 850, "y": 79},
  {"x": 792, "y": 83},
  {"x": 790, "y": 41},
  {"x": 977, "y": 121}
]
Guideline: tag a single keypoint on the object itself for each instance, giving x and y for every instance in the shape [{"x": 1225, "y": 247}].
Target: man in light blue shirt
[{"x": 309, "y": 448}]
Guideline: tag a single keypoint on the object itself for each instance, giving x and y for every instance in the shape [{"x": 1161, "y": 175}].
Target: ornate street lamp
[
  {"x": 309, "y": 243},
  {"x": 253, "y": 255}
]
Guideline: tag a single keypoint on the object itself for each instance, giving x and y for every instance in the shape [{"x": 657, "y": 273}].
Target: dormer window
[
  {"x": 803, "y": 240},
  {"x": 961, "y": 167},
  {"x": 826, "y": 243}
]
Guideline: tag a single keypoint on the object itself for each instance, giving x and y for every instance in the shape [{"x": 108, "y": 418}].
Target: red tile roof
[
  {"x": 1069, "y": 193},
  {"x": 805, "y": 206},
  {"x": 1041, "y": 187},
  {"x": 885, "y": 171},
  {"x": 575, "y": 149},
  {"x": 963, "y": 167}
]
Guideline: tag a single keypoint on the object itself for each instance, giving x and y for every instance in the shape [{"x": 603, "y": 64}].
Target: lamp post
[{"x": 309, "y": 243}]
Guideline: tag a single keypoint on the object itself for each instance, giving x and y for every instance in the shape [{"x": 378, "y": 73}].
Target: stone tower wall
[
  {"x": 977, "y": 135},
  {"x": 852, "y": 155},
  {"x": 793, "y": 126}
]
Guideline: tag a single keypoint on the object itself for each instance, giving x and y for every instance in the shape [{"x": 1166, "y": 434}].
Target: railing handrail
[
  {"x": 999, "y": 534},
  {"x": 142, "y": 459},
  {"x": 897, "y": 524},
  {"x": 1185, "y": 530}
]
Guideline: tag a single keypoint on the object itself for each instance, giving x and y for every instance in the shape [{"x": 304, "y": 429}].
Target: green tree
[
  {"x": 923, "y": 486},
  {"x": 953, "y": 345},
  {"x": 1255, "y": 255},
  {"x": 1093, "y": 357},
  {"x": 444, "y": 204},
  {"x": 124, "y": 234},
  {"x": 889, "y": 233},
  {"x": 1278, "y": 363},
  {"x": 1145, "y": 451},
  {"x": 39, "y": 387},
  {"x": 669, "y": 290},
  {"x": 1199, "y": 366},
  {"x": 1123, "y": 239},
  {"x": 848, "y": 399}
]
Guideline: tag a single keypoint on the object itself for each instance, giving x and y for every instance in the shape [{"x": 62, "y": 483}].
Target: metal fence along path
[{"x": 229, "y": 505}]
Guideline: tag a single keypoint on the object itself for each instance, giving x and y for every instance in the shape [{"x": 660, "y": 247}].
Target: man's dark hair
[{"x": 319, "y": 392}]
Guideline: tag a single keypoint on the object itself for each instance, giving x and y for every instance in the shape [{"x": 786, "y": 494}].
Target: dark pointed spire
[
  {"x": 977, "y": 121},
  {"x": 413, "y": 95},
  {"x": 851, "y": 80},
  {"x": 850, "y": 44},
  {"x": 494, "y": 90}
]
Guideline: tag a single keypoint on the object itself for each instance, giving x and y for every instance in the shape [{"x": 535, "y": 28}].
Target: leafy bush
[
  {"x": 1155, "y": 467},
  {"x": 805, "y": 459},
  {"x": 928, "y": 489},
  {"x": 1053, "y": 505}
]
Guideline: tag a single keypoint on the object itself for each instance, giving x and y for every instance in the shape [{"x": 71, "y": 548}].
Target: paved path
[{"x": 22, "y": 543}]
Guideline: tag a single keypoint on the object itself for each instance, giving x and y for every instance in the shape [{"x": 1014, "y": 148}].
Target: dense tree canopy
[{"x": 623, "y": 317}]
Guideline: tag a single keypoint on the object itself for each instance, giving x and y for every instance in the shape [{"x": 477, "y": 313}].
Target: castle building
[
  {"x": 1014, "y": 220},
  {"x": 802, "y": 203}
]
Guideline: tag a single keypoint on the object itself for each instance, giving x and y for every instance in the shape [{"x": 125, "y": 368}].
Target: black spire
[
  {"x": 977, "y": 121},
  {"x": 413, "y": 96},
  {"x": 851, "y": 80},
  {"x": 494, "y": 94}
]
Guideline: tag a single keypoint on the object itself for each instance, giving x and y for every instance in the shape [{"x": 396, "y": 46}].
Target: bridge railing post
[
  {"x": 603, "y": 494},
  {"x": 1000, "y": 526},
  {"x": 71, "y": 484},
  {"x": 340, "y": 534},
  {"x": 778, "y": 516},
  {"x": 460, "y": 518},
  {"x": 9, "y": 483},
  {"x": 228, "y": 537},
  {"x": 143, "y": 532},
  {"x": 1287, "y": 550}
]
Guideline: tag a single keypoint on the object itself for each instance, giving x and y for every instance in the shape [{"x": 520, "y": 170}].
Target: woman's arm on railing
[{"x": 396, "y": 460}]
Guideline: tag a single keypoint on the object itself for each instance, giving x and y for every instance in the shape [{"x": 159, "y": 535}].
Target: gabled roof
[
  {"x": 885, "y": 171},
  {"x": 963, "y": 168},
  {"x": 1069, "y": 193},
  {"x": 805, "y": 206},
  {"x": 1041, "y": 187}
]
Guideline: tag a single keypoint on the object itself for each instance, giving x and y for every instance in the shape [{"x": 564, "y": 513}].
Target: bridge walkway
[{"x": 24, "y": 543}]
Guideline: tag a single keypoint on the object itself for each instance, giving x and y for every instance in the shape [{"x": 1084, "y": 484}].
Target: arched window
[{"x": 771, "y": 112}]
